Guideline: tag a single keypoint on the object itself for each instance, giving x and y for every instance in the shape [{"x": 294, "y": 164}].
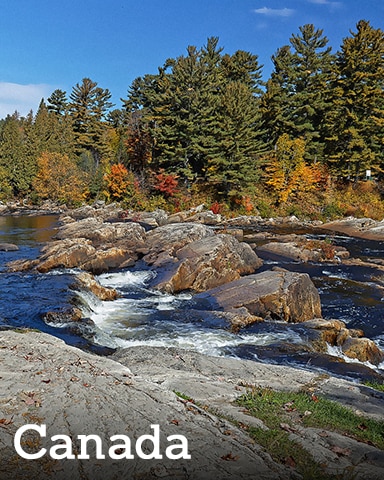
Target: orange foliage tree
[
  {"x": 59, "y": 179},
  {"x": 120, "y": 182}
]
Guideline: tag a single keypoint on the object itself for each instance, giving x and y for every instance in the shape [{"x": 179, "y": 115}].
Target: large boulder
[
  {"x": 8, "y": 247},
  {"x": 352, "y": 343},
  {"x": 280, "y": 295},
  {"x": 207, "y": 263}
]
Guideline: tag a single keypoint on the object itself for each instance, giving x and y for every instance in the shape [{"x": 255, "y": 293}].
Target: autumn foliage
[
  {"x": 288, "y": 174},
  {"x": 59, "y": 179},
  {"x": 119, "y": 181},
  {"x": 167, "y": 184}
]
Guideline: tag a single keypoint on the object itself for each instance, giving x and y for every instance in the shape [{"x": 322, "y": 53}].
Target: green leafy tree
[{"x": 58, "y": 102}]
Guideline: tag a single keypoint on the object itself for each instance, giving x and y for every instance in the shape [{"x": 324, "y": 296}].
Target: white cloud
[
  {"x": 23, "y": 98},
  {"x": 275, "y": 12},
  {"x": 326, "y": 2}
]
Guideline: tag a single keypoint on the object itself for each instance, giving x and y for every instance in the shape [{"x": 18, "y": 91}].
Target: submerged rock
[{"x": 8, "y": 247}]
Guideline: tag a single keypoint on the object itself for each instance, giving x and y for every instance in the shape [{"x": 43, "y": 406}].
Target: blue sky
[{"x": 49, "y": 44}]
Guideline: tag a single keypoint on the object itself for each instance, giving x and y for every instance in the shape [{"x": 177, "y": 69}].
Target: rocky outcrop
[
  {"x": 362, "y": 349},
  {"x": 44, "y": 381},
  {"x": 89, "y": 244},
  {"x": 279, "y": 295},
  {"x": 121, "y": 234}
]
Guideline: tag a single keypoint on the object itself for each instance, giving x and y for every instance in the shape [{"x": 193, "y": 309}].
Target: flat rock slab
[{"x": 44, "y": 381}]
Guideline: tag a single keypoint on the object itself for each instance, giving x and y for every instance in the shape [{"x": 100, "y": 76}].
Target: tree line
[{"x": 207, "y": 127}]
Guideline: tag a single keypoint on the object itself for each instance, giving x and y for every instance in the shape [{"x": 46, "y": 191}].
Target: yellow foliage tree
[
  {"x": 288, "y": 174},
  {"x": 59, "y": 179}
]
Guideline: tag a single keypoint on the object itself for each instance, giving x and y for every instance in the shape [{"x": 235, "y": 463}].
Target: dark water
[
  {"x": 24, "y": 296},
  {"x": 353, "y": 294}
]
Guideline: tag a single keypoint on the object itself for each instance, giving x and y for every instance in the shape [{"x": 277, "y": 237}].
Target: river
[{"x": 143, "y": 316}]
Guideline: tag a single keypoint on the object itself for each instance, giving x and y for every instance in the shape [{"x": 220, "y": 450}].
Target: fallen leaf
[
  {"x": 230, "y": 458},
  {"x": 314, "y": 397},
  {"x": 287, "y": 428},
  {"x": 290, "y": 461},
  {"x": 175, "y": 422},
  {"x": 341, "y": 451},
  {"x": 362, "y": 426},
  {"x": 6, "y": 421}
]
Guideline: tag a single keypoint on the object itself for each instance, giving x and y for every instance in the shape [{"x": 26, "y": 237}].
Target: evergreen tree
[
  {"x": 89, "y": 106},
  {"x": 58, "y": 102},
  {"x": 18, "y": 167},
  {"x": 297, "y": 96},
  {"x": 355, "y": 123}
]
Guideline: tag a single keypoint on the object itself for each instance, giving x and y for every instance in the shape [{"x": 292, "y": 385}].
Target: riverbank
[{"x": 45, "y": 381}]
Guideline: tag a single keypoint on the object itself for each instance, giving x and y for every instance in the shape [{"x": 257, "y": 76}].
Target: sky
[{"x": 54, "y": 44}]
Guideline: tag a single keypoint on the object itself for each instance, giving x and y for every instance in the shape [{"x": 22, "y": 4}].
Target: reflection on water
[{"x": 25, "y": 230}]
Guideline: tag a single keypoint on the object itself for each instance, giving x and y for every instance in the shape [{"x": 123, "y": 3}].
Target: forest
[{"x": 308, "y": 141}]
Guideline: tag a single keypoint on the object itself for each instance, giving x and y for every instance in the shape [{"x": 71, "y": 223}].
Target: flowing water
[{"x": 142, "y": 316}]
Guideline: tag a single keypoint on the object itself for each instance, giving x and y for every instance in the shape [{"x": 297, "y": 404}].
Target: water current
[{"x": 143, "y": 316}]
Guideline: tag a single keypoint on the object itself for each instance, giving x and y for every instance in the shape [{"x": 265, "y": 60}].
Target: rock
[
  {"x": 44, "y": 381},
  {"x": 207, "y": 218},
  {"x": 8, "y": 247},
  {"x": 88, "y": 281},
  {"x": 280, "y": 295},
  {"x": 151, "y": 219},
  {"x": 306, "y": 251},
  {"x": 289, "y": 250},
  {"x": 363, "y": 349},
  {"x": 207, "y": 263},
  {"x": 63, "y": 316},
  {"x": 357, "y": 227},
  {"x": 128, "y": 235},
  {"x": 98, "y": 210},
  {"x": 168, "y": 239},
  {"x": 352, "y": 342},
  {"x": 68, "y": 253}
]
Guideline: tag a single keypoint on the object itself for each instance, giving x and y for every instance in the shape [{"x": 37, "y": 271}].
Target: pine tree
[
  {"x": 18, "y": 167},
  {"x": 297, "y": 96},
  {"x": 356, "y": 122}
]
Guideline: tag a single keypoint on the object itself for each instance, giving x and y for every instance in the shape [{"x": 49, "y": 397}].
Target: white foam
[{"x": 126, "y": 278}]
